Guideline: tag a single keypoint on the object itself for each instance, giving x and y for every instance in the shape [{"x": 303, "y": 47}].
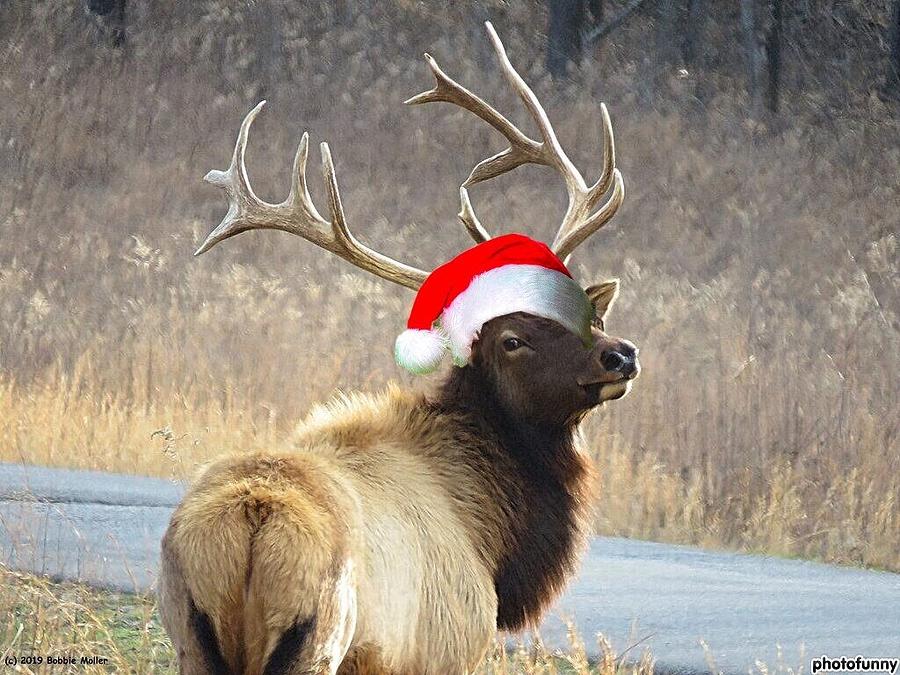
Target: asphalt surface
[{"x": 104, "y": 529}]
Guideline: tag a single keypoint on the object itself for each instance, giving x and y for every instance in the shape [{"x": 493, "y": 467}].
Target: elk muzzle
[
  {"x": 612, "y": 367},
  {"x": 621, "y": 359}
]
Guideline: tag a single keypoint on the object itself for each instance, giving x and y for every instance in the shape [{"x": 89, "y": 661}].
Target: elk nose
[{"x": 621, "y": 359}]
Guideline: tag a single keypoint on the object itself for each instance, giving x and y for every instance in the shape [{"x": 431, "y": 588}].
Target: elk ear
[{"x": 603, "y": 295}]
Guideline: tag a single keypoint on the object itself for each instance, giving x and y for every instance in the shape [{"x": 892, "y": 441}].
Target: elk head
[
  {"x": 543, "y": 373},
  {"x": 534, "y": 365}
]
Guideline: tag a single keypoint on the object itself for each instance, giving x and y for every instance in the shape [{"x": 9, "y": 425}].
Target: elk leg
[
  {"x": 300, "y": 610},
  {"x": 191, "y": 631}
]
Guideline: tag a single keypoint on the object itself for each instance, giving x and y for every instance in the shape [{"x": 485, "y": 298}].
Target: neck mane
[
  {"x": 467, "y": 391},
  {"x": 543, "y": 484}
]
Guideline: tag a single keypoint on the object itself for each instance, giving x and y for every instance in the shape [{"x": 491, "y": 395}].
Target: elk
[{"x": 403, "y": 529}]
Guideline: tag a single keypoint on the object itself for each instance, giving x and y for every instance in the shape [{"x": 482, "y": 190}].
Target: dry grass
[
  {"x": 66, "y": 422},
  {"x": 759, "y": 256},
  {"x": 42, "y": 618},
  {"x": 48, "y": 620}
]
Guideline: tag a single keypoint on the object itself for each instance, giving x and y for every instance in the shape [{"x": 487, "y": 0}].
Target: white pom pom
[{"x": 420, "y": 351}]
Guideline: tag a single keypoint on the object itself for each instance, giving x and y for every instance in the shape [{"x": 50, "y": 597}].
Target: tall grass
[{"x": 759, "y": 256}]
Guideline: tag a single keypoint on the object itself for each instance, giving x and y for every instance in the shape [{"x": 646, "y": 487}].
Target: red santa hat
[{"x": 510, "y": 273}]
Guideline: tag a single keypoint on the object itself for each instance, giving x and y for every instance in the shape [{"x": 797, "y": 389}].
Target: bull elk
[{"x": 404, "y": 529}]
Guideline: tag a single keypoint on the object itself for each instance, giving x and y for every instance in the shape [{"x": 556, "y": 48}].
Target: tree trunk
[
  {"x": 894, "y": 66},
  {"x": 112, "y": 13},
  {"x": 267, "y": 49},
  {"x": 564, "y": 35},
  {"x": 691, "y": 29},
  {"x": 343, "y": 13},
  {"x": 748, "y": 29},
  {"x": 601, "y": 31},
  {"x": 666, "y": 33},
  {"x": 773, "y": 55}
]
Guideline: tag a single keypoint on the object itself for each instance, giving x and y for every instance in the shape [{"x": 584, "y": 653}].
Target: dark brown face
[{"x": 545, "y": 373}]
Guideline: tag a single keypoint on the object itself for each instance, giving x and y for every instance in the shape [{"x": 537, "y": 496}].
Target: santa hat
[{"x": 510, "y": 273}]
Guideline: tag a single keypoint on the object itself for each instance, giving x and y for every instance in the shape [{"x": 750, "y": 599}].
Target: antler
[
  {"x": 581, "y": 219},
  {"x": 297, "y": 214}
]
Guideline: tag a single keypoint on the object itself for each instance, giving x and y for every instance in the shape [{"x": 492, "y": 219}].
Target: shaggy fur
[{"x": 405, "y": 529}]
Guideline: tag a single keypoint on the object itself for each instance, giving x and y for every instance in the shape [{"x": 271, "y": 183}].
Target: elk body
[{"x": 403, "y": 529}]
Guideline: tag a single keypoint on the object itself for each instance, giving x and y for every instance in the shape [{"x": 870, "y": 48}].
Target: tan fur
[
  {"x": 285, "y": 526},
  {"x": 403, "y": 530}
]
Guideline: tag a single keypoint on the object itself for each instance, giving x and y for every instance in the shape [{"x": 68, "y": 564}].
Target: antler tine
[
  {"x": 521, "y": 150},
  {"x": 600, "y": 188},
  {"x": 468, "y": 218},
  {"x": 354, "y": 251},
  {"x": 566, "y": 242},
  {"x": 579, "y": 221},
  {"x": 552, "y": 150},
  {"x": 297, "y": 214},
  {"x": 241, "y": 198},
  {"x": 573, "y": 233}
]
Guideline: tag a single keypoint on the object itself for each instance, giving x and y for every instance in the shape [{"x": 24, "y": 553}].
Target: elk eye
[{"x": 512, "y": 344}]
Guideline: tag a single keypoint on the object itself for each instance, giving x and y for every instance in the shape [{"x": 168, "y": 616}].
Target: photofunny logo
[{"x": 858, "y": 664}]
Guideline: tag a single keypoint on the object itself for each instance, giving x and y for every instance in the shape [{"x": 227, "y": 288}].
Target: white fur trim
[
  {"x": 420, "y": 351},
  {"x": 515, "y": 288}
]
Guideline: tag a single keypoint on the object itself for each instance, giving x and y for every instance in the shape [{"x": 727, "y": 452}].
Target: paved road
[{"x": 104, "y": 529}]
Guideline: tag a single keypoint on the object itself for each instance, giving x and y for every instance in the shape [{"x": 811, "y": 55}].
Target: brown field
[{"x": 759, "y": 255}]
